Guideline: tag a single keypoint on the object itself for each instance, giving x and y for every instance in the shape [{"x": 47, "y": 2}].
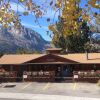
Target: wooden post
[
  {"x": 87, "y": 56},
  {"x": 11, "y": 68}
]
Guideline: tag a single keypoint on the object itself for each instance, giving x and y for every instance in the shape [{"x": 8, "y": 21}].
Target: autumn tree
[
  {"x": 71, "y": 32},
  {"x": 73, "y": 42},
  {"x": 70, "y": 12},
  {"x": 10, "y": 17}
]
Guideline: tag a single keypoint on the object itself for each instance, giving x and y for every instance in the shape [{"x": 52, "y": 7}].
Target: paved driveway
[{"x": 86, "y": 90}]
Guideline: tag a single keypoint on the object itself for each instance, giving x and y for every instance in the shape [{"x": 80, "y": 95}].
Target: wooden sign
[
  {"x": 24, "y": 76},
  {"x": 75, "y": 76}
]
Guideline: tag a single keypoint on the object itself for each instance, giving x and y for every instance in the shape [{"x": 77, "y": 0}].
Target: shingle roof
[{"x": 94, "y": 58}]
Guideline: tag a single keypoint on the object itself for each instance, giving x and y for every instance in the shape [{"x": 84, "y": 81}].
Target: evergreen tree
[
  {"x": 73, "y": 42},
  {"x": 23, "y": 51}
]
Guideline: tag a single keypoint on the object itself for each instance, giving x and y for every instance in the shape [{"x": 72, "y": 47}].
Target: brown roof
[
  {"x": 82, "y": 58},
  {"x": 94, "y": 58},
  {"x": 18, "y": 59}
]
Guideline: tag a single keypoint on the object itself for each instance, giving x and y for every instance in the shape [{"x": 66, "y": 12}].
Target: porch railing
[{"x": 87, "y": 76}]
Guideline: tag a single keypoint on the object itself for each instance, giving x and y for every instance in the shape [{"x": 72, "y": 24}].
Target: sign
[
  {"x": 24, "y": 76},
  {"x": 75, "y": 76}
]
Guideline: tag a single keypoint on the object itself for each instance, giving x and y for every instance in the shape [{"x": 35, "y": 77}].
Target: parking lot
[
  {"x": 64, "y": 89},
  {"x": 70, "y": 89}
]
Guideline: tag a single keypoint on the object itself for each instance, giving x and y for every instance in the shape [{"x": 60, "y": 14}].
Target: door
[{"x": 67, "y": 71}]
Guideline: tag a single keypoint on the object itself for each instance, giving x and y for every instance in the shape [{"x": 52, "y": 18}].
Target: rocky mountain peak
[{"x": 12, "y": 39}]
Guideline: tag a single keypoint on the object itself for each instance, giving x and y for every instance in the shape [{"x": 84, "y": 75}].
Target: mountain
[{"x": 12, "y": 39}]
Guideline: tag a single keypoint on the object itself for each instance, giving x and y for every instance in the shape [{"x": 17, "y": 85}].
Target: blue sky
[{"x": 28, "y": 21}]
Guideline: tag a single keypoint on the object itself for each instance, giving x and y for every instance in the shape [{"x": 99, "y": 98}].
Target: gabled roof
[
  {"x": 51, "y": 58},
  {"x": 94, "y": 58}
]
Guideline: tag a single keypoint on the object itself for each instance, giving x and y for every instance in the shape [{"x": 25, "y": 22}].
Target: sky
[
  {"x": 29, "y": 21},
  {"x": 42, "y": 27}
]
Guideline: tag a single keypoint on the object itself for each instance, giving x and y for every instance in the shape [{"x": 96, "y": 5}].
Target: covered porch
[
  {"x": 36, "y": 72},
  {"x": 49, "y": 72}
]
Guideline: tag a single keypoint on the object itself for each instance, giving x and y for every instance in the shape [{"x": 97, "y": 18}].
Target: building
[{"x": 52, "y": 66}]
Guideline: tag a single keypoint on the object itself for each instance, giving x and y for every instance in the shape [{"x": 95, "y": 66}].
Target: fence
[{"x": 87, "y": 76}]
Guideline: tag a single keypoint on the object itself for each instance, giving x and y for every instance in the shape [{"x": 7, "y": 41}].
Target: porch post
[
  {"x": 62, "y": 67},
  {"x": 11, "y": 68},
  {"x": 29, "y": 69}
]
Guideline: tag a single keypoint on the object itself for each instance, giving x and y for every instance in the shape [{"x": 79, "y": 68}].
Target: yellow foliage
[
  {"x": 0, "y": 18},
  {"x": 51, "y": 27},
  {"x": 70, "y": 13},
  {"x": 22, "y": 0}
]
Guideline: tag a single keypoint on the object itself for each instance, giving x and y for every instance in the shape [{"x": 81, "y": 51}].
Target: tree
[
  {"x": 70, "y": 17},
  {"x": 1, "y": 54},
  {"x": 23, "y": 51},
  {"x": 10, "y": 17},
  {"x": 73, "y": 42},
  {"x": 26, "y": 51},
  {"x": 37, "y": 52},
  {"x": 71, "y": 12},
  {"x": 71, "y": 32}
]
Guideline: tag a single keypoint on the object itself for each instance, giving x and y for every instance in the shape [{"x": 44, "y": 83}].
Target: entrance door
[
  {"x": 67, "y": 71},
  {"x": 64, "y": 72}
]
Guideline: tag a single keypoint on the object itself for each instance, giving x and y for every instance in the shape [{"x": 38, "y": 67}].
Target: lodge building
[{"x": 52, "y": 66}]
